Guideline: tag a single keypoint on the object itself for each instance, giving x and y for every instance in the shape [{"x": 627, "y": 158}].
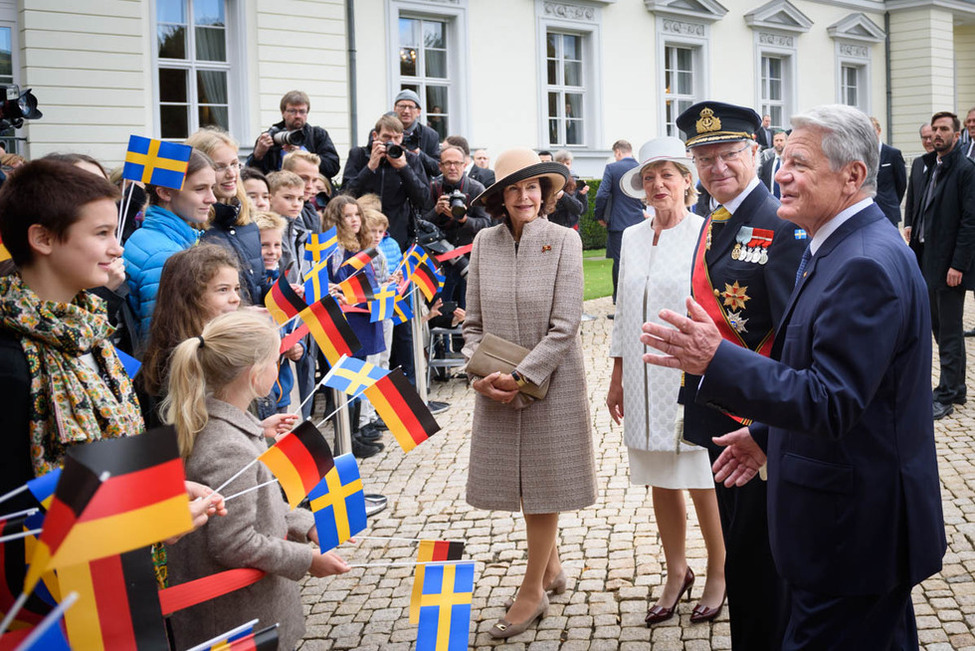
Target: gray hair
[
  {"x": 563, "y": 156},
  {"x": 849, "y": 136}
]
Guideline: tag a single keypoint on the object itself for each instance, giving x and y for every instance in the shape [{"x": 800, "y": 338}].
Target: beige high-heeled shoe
[
  {"x": 555, "y": 586},
  {"x": 505, "y": 629}
]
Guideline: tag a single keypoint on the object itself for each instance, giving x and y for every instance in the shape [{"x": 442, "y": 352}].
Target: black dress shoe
[
  {"x": 970, "y": 333},
  {"x": 363, "y": 450},
  {"x": 611, "y": 316},
  {"x": 941, "y": 410},
  {"x": 369, "y": 433}
]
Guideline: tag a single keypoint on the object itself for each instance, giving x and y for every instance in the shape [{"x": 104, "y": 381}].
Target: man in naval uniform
[{"x": 744, "y": 272}]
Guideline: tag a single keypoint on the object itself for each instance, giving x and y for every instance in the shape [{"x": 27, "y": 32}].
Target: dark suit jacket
[
  {"x": 618, "y": 210},
  {"x": 764, "y": 137},
  {"x": 949, "y": 223},
  {"x": 891, "y": 183},
  {"x": 767, "y": 287},
  {"x": 765, "y": 169},
  {"x": 854, "y": 496},
  {"x": 484, "y": 176},
  {"x": 915, "y": 189}
]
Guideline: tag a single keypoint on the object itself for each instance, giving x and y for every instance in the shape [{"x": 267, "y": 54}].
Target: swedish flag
[
  {"x": 321, "y": 245},
  {"x": 383, "y": 306},
  {"x": 316, "y": 283},
  {"x": 445, "y": 607},
  {"x": 156, "y": 162},
  {"x": 352, "y": 375},
  {"x": 401, "y": 310},
  {"x": 338, "y": 504}
]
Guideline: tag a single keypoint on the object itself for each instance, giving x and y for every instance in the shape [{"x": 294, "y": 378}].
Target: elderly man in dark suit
[
  {"x": 744, "y": 266},
  {"x": 855, "y": 515},
  {"x": 891, "y": 178},
  {"x": 615, "y": 209}
]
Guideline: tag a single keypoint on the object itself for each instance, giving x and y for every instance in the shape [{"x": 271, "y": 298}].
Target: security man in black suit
[
  {"x": 744, "y": 271},
  {"x": 891, "y": 178}
]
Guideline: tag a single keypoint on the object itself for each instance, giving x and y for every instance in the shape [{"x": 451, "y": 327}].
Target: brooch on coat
[{"x": 546, "y": 248}]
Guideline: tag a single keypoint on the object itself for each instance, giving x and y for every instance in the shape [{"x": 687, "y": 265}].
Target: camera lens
[{"x": 393, "y": 150}]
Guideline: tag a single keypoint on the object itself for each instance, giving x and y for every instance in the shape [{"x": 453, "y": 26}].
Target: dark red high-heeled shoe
[
  {"x": 702, "y": 613},
  {"x": 658, "y": 613}
]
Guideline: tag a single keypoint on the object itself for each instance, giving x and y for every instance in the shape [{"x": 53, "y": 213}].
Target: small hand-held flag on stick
[
  {"x": 361, "y": 259},
  {"x": 357, "y": 288},
  {"x": 282, "y": 301},
  {"x": 384, "y": 305},
  {"x": 405, "y": 414},
  {"x": 156, "y": 162},
  {"x": 321, "y": 245},
  {"x": 328, "y": 326},
  {"x": 352, "y": 376},
  {"x": 445, "y": 607},
  {"x": 299, "y": 460},
  {"x": 338, "y": 504},
  {"x": 430, "y": 551}
]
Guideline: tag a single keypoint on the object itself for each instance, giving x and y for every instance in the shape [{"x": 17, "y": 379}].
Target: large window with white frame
[
  {"x": 424, "y": 67},
  {"x": 680, "y": 83},
  {"x": 565, "y": 88},
  {"x": 775, "y": 87},
  {"x": 194, "y": 66},
  {"x": 852, "y": 86}
]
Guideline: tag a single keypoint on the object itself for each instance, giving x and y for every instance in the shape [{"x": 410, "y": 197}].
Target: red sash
[{"x": 704, "y": 294}]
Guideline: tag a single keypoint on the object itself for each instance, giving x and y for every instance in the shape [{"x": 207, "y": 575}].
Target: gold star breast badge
[{"x": 735, "y": 296}]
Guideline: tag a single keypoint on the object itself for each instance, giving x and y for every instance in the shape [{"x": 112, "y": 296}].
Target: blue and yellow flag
[
  {"x": 321, "y": 245},
  {"x": 445, "y": 607},
  {"x": 156, "y": 162},
  {"x": 316, "y": 282},
  {"x": 352, "y": 375},
  {"x": 383, "y": 306},
  {"x": 338, "y": 504},
  {"x": 401, "y": 310}
]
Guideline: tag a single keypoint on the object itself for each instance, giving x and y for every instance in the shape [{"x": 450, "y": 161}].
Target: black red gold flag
[
  {"x": 299, "y": 460},
  {"x": 328, "y": 326},
  {"x": 398, "y": 404},
  {"x": 357, "y": 289},
  {"x": 361, "y": 259},
  {"x": 431, "y": 551},
  {"x": 282, "y": 301}
]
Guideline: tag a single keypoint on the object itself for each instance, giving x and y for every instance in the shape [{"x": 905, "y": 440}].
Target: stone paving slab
[{"x": 611, "y": 551}]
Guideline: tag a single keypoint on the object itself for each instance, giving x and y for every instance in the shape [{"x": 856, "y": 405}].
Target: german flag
[
  {"x": 114, "y": 496},
  {"x": 361, "y": 259},
  {"x": 357, "y": 288},
  {"x": 328, "y": 326},
  {"x": 263, "y": 640},
  {"x": 429, "y": 280},
  {"x": 118, "y": 603},
  {"x": 321, "y": 245},
  {"x": 282, "y": 301},
  {"x": 299, "y": 461},
  {"x": 431, "y": 551},
  {"x": 400, "y": 407},
  {"x": 13, "y": 562}
]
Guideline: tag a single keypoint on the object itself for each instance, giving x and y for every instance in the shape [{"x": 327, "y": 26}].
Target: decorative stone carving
[
  {"x": 569, "y": 11},
  {"x": 850, "y": 50},
  {"x": 671, "y": 26},
  {"x": 778, "y": 40}
]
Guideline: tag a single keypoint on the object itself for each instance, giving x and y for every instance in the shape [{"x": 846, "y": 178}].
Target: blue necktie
[
  {"x": 775, "y": 186},
  {"x": 802, "y": 264}
]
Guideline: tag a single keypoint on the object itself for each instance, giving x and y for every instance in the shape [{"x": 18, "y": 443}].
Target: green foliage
[{"x": 593, "y": 234}]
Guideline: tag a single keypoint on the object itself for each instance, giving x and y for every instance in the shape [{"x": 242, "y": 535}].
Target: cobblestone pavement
[{"x": 611, "y": 550}]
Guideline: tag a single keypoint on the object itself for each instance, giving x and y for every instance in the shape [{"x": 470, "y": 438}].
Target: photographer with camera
[
  {"x": 450, "y": 210},
  {"x": 417, "y": 137},
  {"x": 574, "y": 199},
  {"x": 291, "y": 134},
  {"x": 386, "y": 168}
]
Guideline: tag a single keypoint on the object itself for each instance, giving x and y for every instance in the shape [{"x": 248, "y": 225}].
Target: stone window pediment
[
  {"x": 707, "y": 10},
  {"x": 780, "y": 15},
  {"x": 856, "y": 27}
]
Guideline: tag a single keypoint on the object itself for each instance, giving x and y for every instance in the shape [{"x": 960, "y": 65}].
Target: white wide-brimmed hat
[
  {"x": 656, "y": 151},
  {"x": 520, "y": 163}
]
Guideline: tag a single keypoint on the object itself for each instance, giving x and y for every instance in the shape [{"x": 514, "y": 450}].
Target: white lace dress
[{"x": 653, "y": 278}]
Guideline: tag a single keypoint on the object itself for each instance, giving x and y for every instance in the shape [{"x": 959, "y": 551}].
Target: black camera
[
  {"x": 321, "y": 200},
  {"x": 393, "y": 150},
  {"x": 411, "y": 140},
  {"x": 282, "y": 137},
  {"x": 433, "y": 239},
  {"x": 17, "y": 107},
  {"x": 580, "y": 183},
  {"x": 458, "y": 203}
]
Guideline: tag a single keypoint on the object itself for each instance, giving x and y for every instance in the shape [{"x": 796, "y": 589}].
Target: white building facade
[{"x": 550, "y": 74}]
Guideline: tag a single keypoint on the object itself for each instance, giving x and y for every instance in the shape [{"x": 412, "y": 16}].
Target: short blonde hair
[
  {"x": 283, "y": 179},
  {"x": 267, "y": 221},
  {"x": 371, "y": 201},
  {"x": 690, "y": 195},
  {"x": 288, "y": 163},
  {"x": 374, "y": 219}
]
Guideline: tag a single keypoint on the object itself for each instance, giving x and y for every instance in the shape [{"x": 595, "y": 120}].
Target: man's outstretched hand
[{"x": 740, "y": 460}]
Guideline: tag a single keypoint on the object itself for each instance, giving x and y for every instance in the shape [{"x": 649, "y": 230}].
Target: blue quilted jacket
[{"x": 163, "y": 233}]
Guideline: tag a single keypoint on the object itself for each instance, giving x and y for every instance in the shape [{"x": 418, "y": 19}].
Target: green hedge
[{"x": 592, "y": 232}]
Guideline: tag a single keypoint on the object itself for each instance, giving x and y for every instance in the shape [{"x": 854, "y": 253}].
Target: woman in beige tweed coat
[{"x": 525, "y": 285}]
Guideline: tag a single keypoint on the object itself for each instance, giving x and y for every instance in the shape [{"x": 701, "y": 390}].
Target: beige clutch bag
[{"x": 497, "y": 354}]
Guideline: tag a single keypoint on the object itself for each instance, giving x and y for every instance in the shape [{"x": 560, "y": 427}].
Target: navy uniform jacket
[
  {"x": 767, "y": 287},
  {"x": 853, "y": 492}
]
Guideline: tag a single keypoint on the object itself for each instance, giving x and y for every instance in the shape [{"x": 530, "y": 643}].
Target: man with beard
[{"x": 268, "y": 156}]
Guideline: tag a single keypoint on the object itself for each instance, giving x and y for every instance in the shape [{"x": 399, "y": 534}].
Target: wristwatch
[{"x": 519, "y": 380}]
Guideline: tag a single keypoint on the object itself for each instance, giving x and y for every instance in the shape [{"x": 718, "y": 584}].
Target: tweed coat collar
[{"x": 226, "y": 412}]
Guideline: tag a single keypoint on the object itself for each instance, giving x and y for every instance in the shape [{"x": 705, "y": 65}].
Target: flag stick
[
  {"x": 337, "y": 409},
  {"x": 235, "y": 476},
  {"x": 16, "y": 491},
  {"x": 21, "y": 600},
  {"x": 17, "y": 514},
  {"x": 327, "y": 376},
  {"x": 393, "y": 538},
  {"x": 251, "y": 489},
  {"x": 51, "y": 619},
  {"x": 22, "y": 534},
  {"x": 225, "y": 636},
  {"x": 125, "y": 211},
  {"x": 412, "y": 563}
]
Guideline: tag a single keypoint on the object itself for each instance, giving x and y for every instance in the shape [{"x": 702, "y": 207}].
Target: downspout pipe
[{"x": 353, "y": 77}]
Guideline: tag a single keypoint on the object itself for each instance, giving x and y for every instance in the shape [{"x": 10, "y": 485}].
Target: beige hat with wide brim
[
  {"x": 654, "y": 151},
  {"x": 518, "y": 164}
]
